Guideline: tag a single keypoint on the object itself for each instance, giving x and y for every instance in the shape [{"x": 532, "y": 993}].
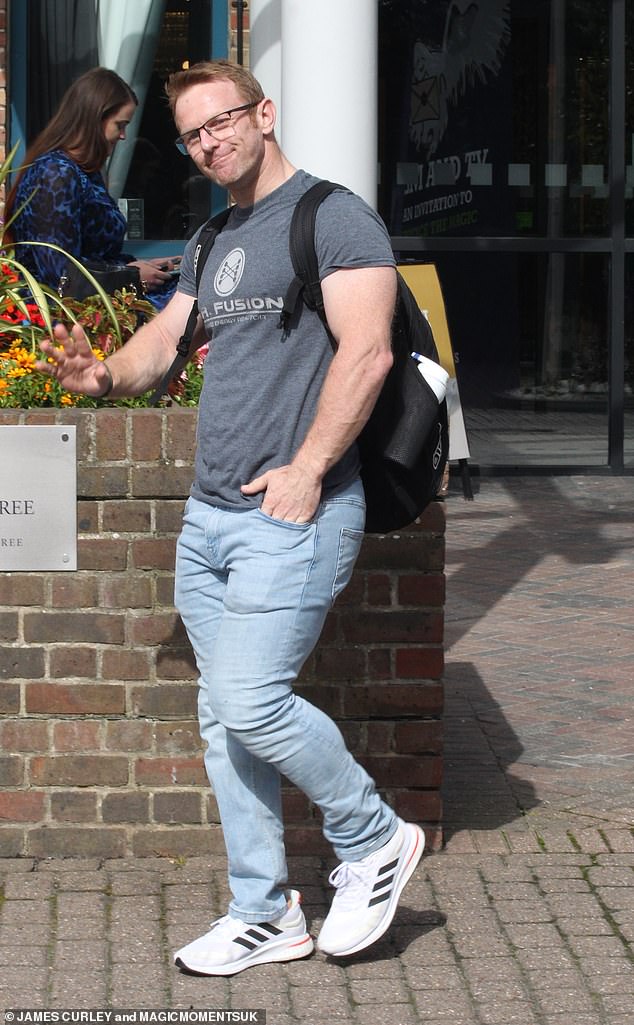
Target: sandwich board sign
[
  {"x": 424, "y": 282},
  {"x": 38, "y": 498}
]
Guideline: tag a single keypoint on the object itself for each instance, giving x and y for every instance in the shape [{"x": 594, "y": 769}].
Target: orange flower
[{"x": 25, "y": 359}]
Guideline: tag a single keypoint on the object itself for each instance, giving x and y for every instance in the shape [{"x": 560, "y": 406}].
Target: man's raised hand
[{"x": 72, "y": 362}]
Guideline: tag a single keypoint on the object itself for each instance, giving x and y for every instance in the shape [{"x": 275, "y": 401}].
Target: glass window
[
  {"x": 530, "y": 337},
  {"x": 494, "y": 117},
  {"x": 629, "y": 361},
  {"x": 159, "y": 191},
  {"x": 629, "y": 118},
  {"x": 165, "y": 196}
]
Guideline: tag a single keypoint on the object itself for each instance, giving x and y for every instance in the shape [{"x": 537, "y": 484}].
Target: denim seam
[{"x": 292, "y": 627}]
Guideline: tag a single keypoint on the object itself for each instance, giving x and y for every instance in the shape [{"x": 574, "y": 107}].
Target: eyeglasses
[{"x": 219, "y": 127}]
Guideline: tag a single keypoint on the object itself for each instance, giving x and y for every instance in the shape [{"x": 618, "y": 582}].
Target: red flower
[{"x": 9, "y": 273}]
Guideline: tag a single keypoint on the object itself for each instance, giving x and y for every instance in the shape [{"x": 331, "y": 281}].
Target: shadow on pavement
[
  {"x": 479, "y": 793},
  {"x": 508, "y": 539},
  {"x": 529, "y": 540}
]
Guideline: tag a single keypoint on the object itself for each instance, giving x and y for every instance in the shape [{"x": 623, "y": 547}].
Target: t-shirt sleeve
[{"x": 349, "y": 234}]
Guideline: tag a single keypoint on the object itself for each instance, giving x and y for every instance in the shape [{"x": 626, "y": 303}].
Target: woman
[{"x": 63, "y": 191}]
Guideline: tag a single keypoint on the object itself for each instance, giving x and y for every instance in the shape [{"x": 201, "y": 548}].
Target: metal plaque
[{"x": 38, "y": 498}]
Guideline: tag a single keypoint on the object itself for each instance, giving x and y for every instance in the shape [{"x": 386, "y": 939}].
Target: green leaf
[
  {"x": 36, "y": 291},
  {"x": 105, "y": 298}
]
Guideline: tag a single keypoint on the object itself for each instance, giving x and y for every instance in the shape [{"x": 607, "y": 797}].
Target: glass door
[{"x": 499, "y": 163}]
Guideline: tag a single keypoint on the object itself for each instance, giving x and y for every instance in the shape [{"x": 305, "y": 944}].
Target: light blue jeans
[{"x": 253, "y": 593}]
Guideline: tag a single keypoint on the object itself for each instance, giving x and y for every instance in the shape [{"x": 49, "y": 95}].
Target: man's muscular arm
[{"x": 359, "y": 306}]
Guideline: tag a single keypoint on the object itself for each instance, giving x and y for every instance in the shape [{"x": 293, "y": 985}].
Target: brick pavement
[{"x": 527, "y": 915}]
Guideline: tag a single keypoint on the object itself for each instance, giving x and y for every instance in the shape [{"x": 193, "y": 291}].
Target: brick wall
[{"x": 99, "y": 747}]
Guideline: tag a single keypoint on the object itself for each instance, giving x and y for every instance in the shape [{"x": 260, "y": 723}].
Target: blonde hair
[{"x": 214, "y": 71}]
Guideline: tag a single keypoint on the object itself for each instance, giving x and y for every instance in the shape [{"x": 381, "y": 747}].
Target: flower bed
[
  {"x": 28, "y": 311},
  {"x": 22, "y": 326}
]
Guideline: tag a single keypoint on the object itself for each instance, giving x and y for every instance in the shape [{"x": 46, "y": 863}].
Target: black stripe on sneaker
[
  {"x": 257, "y": 938},
  {"x": 388, "y": 868},
  {"x": 273, "y": 929},
  {"x": 384, "y": 882},
  {"x": 378, "y": 900}
]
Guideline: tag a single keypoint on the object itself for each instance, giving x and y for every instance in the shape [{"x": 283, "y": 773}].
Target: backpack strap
[
  {"x": 185, "y": 348},
  {"x": 306, "y": 285}
]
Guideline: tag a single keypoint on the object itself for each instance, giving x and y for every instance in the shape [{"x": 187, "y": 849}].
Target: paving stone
[
  {"x": 11, "y": 866},
  {"x": 28, "y": 887},
  {"x": 19, "y": 987},
  {"x": 589, "y": 926},
  {"x": 444, "y": 977},
  {"x": 625, "y": 922},
  {"x": 68, "y": 927},
  {"x": 134, "y": 986},
  {"x": 17, "y": 935},
  {"x": 326, "y": 1000},
  {"x": 25, "y": 957},
  {"x": 84, "y": 990},
  {"x": 79, "y": 952},
  {"x": 78, "y": 882},
  {"x": 434, "y": 1005},
  {"x": 597, "y": 964},
  {"x": 81, "y": 905},
  {"x": 395, "y": 1014},
  {"x": 63, "y": 866},
  {"x": 26, "y": 913},
  {"x": 560, "y": 1000},
  {"x": 526, "y": 911},
  {"x": 198, "y": 991},
  {"x": 133, "y": 883},
  {"x": 509, "y": 1012},
  {"x": 596, "y": 946},
  {"x": 620, "y": 1003},
  {"x": 494, "y": 991}
]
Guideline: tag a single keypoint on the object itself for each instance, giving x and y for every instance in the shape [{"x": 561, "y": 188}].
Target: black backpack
[{"x": 405, "y": 443}]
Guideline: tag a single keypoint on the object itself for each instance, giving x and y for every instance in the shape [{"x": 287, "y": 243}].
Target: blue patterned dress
[{"x": 73, "y": 209}]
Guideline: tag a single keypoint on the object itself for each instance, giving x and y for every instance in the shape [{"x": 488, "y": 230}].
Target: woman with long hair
[{"x": 61, "y": 189}]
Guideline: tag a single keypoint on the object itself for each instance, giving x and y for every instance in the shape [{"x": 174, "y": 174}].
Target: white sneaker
[
  {"x": 368, "y": 891},
  {"x": 232, "y": 945}
]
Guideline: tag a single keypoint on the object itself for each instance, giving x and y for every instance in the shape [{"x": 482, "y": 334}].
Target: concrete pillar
[
  {"x": 327, "y": 68},
  {"x": 265, "y": 43},
  {"x": 329, "y": 89}
]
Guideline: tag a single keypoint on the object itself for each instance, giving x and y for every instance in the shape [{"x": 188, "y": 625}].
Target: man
[{"x": 275, "y": 519}]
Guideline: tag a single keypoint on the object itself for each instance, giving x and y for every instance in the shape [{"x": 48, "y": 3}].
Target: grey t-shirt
[{"x": 261, "y": 385}]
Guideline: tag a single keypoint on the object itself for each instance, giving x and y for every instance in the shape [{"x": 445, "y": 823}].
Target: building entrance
[{"x": 506, "y": 144}]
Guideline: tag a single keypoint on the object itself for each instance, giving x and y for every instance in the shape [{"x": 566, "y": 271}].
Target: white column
[
  {"x": 265, "y": 45},
  {"x": 329, "y": 89}
]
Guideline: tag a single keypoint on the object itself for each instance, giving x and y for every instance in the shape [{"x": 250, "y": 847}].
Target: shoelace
[
  {"x": 224, "y": 924},
  {"x": 350, "y": 879}
]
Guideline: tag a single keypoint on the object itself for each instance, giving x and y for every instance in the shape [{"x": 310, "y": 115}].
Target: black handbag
[{"x": 112, "y": 277}]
